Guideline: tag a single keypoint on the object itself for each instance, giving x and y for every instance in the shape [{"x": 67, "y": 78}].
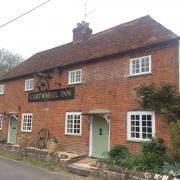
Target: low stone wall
[
  {"x": 132, "y": 175},
  {"x": 42, "y": 154},
  {"x": 121, "y": 173}
]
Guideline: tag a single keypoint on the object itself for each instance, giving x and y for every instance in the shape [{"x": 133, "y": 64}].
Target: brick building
[{"x": 83, "y": 91}]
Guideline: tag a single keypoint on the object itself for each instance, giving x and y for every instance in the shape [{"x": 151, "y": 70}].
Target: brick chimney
[{"x": 81, "y": 32}]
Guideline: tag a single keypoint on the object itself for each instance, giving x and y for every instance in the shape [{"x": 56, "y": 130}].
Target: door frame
[
  {"x": 8, "y": 139},
  {"x": 107, "y": 119}
]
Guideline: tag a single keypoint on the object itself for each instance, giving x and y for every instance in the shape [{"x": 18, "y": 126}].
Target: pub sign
[{"x": 52, "y": 95}]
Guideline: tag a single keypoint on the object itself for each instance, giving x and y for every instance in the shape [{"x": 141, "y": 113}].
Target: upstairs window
[
  {"x": 75, "y": 76},
  {"x": 2, "y": 88},
  {"x": 1, "y": 118},
  {"x": 26, "y": 122},
  {"x": 29, "y": 83},
  {"x": 140, "y": 65},
  {"x": 73, "y": 123},
  {"x": 141, "y": 125}
]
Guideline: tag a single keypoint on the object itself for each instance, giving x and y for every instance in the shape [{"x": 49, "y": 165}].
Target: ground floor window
[
  {"x": 1, "y": 118},
  {"x": 26, "y": 122},
  {"x": 140, "y": 125},
  {"x": 73, "y": 123}
]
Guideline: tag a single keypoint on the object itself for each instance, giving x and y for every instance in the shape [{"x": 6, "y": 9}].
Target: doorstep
[{"x": 83, "y": 167}]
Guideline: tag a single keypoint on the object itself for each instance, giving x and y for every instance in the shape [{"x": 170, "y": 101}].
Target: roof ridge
[{"x": 140, "y": 32}]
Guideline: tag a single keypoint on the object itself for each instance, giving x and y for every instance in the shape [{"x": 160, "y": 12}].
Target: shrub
[
  {"x": 154, "y": 155},
  {"x": 154, "y": 146},
  {"x": 118, "y": 151},
  {"x": 152, "y": 158},
  {"x": 174, "y": 130},
  {"x": 172, "y": 169}
]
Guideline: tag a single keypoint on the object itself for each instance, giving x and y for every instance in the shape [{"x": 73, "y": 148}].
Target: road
[{"x": 13, "y": 170}]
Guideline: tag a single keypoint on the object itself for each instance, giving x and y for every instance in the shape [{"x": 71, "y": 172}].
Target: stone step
[{"x": 80, "y": 170}]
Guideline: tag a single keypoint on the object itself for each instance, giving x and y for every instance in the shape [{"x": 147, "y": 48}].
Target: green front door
[
  {"x": 12, "y": 130},
  {"x": 100, "y": 136}
]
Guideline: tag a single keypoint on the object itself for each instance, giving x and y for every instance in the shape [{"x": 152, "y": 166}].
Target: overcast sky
[{"x": 52, "y": 24}]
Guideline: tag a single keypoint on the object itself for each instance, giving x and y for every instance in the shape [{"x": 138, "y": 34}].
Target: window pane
[
  {"x": 143, "y": 117},
  {"x": 149, "y": 117},
  {"x": 137, "y": 117},
  {"x": 132, "y": 117},
  {"x": 143, "y": 123}
]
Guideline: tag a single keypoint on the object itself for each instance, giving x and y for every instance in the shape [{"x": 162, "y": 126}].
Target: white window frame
[
  {"x": 1, "y": 120},
  {"x": 140, "y": 69},
  {"x": 140, "y": 113},
  {"x": 66, "y": 120},
  {"x": 2, "y": 89},
  {"x": 22, "y": 122},
  {"x": 27, "y": 82},
  {"x": 75, "y": 80}
]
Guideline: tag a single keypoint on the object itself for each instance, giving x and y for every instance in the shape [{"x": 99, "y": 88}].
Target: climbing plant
[{"x": 166, "y": 101}]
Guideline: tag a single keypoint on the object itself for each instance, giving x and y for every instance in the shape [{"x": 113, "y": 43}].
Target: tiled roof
[{"x": 131, "y": 35}]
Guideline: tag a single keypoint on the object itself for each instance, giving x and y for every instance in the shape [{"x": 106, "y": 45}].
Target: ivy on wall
[{"x": 166, "y": 101}]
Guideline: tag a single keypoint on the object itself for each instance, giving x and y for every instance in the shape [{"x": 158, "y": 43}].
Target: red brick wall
[{"x": 106, "y": 85}]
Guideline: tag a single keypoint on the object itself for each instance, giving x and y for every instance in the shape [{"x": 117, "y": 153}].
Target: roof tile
[{"x": 131, "y": 35}]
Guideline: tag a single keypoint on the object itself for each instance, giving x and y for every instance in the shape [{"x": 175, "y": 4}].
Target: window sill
[
  {"x": 137, "y": 140},
  {"x": 74, "y": 84},
  {"x": 28, "y": 90},
  {"x": 72, "y": 134},
  {"x": 26, "y": 131},
  {"x": 1, "y": 94},
  {"x": 136, "y": 75}
]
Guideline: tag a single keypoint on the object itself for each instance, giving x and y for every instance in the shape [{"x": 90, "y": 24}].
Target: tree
[{"x": 8, "y": 60}]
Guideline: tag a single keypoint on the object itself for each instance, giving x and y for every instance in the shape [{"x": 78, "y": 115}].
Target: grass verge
[{"x": 29, "y": 160}]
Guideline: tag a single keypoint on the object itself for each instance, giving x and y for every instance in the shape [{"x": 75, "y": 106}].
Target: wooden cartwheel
[{"x": 42, "y": 139}]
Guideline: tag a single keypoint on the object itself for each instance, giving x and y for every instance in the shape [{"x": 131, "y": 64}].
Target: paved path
[{"x": 13, "y": 170}]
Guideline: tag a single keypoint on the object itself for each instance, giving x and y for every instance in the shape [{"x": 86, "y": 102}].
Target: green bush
[
  {"x": 152, "y": 158},
  {"x": 174, "y": 131},
  {"x": 172, "y": 169},
  {"x": 154, "y": 146},
  {"x": 154, "y": 155},
  {"x": 118, "y": 151}
]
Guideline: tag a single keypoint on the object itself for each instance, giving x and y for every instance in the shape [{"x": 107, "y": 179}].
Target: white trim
[
  {"x": 91, "y": 136},
  {"x": 109, "y": 144},
  {"x": 8, "y": 132},
  {"x": 179, "y": 63},
  {"x": 140, "y": 59},
  {"x": 69, "y": 77},
  {"x": 2, "y": 89},
  {"x": 73, "y": 114},
  {"x": 26, "y": 114},
  {"x": 1, "y": 121},
  {"x": 129, "y": 138},
  {"x": 28, "y": 81}
]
